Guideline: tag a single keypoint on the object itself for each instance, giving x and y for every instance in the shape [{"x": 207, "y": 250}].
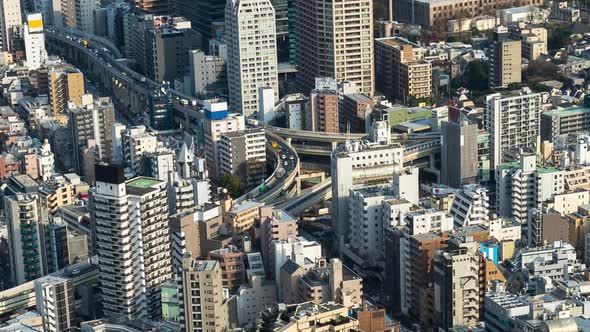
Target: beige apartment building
[
  {"x": 231, "y": 261},
  {"x": 436, "y": 13},
  {"x": 335, "y": 39},
  {"x": 65, "y": 85},
  {"x": 202, "y": 300},
  {"x": 241, "y": 216},
  {"x": 505, "y": 59},
  {"x": 401, "y": 70},
  {"x": 310, "y": 317}
]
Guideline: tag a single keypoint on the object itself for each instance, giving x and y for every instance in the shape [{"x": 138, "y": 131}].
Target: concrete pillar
[
  {"x": 289, "y": 141},
  {"x": 334, "y": 145}
]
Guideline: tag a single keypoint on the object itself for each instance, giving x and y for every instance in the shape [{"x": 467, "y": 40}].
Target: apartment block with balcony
[
  {"x": 401, "y": 70},
  {"x": 233, "y": 271},
  {"x": 243, "y": 154}
]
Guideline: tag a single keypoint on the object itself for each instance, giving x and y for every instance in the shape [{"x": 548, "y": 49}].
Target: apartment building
[
  {"x": 324, "y": 111},
  {"x": 459, "y": 157},
  {"x": 505, "y": 59},
  {"x": 401, "y": 70},
  {"x": 471, "y": 206},
  {"x": 251, "y": 61},
  {"x": 130, "y": 220},
  {"x": 208, "y": 73},
  {"x": 34, "y": 39},
  {"x": 243, "y": 154},
  {"x": 275, "y": 225},
  {"x": 202, "y": 301},
  {"x": 254, "y": 297},
  {"x": 233, "y": 271},
  {"x": 11, "y": 16},
  {"x": 346, "y": 53},
  {"x": 54, "y": 297},
  {"x": 135, "y": 142},
  {"x": 512, "y": 119},
  {"x": 65, "y": 85},
  {"x": 359, "y": 163},
  {"x": 353, "y": 111},
  {"x": 564, "y": 121}
]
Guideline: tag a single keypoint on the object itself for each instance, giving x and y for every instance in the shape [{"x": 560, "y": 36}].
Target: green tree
[
  {"x": 233, "y": 184},
  {"x": 477, "y": 76}
]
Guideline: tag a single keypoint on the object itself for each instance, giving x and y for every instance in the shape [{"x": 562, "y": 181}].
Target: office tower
[
  {"x": 401, "y": 70},
  {"x": 208, "y": 73},
  {"x": 65, "y": 85},
  {"x": 324, "y": 113},
  {"x": 512, "y": 119},
  {"x": 218, "y": 121},
  {"x": 136, "y": 141},
  {"x": 202, "y": 299},
  {"x": 547, "y": 226},
  {"x": 91, "y": 125},
  {"x": 252, "y": 62},
  {"x": 167, "y": 49},
  {"x": 160, "y": 110},
  {"x": 541, "y": 183},
  {"x": 243, "y": 153},
  {"x": 456, "y": 288},
  {"x": 459, "y": 163},
  {"x": 203, "y": 14},
  {"x": 23, "y": 217},
  {"x": 100, "y": 22},
  {"x": 335, "y": 39},
  {"x": 130, "y": 224},
  {"x": 54, "y": 297},
  {"x": 156, "y": 7},
  {"x": 354, "y": 164},
  {"x": 505, "y": 59},
  {"x": 11, "y": 18},
  {"x": 34, "y": 39},
  {"x": 471, "y": 206}
]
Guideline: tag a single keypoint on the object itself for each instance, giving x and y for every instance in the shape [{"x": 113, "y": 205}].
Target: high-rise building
[
  {"x": 203, "y": 304},
  {"x": 136, "y": 141},
  {"x": 65, "y": 85},
  {"x": 243, "y": 153},
  {"x": 161, "y": 110},
  {"x": 218, "y": 121},
  {"x": 91, "y": 124},
  {"x": 456, "y": 287},
  {"x": 233, "y": 271},
  {"x": 505, "y": 59},
  {"x": 512, "y": 119},
  {"x": 208, "y": 73},
  {"x": 354, "y": 164},
  {"x": 459, "y": 162},
  {"x": 335, "y": 39},
  {"x": 401, "y": 70},
  {"x": 34, "y": 39},
  {"x": 130, "y": 223},
  {"x": 24, "y": 219},
  {"x": 324, "y": 111},
  {"x": 54, "y": 297},
  {"x": 252, "y": 61},
  {"x": 167, "y": 47},
  {"x": 203, "y": 14},
  {"x": 11, "y": 19},
  {"x": 353, "y": 111},
  {"x": 77, "y": 14},
  {"x": 45, "y": 161},
  {"x": 541, "y": 184}
]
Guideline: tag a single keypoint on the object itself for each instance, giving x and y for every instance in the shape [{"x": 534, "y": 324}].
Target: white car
[
  {"x": 283, "y": 157},
  {"x": 286, "y": 163}
]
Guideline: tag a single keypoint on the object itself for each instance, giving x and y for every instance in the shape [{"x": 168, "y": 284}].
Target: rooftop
[
  {"x": 570, "y": 111},
  {"x": 142, "y": 185}
]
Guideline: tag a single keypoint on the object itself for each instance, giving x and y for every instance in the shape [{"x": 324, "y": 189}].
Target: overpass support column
[
  {"x": 289, "y": 141},
  {"x": 334, "y": 145}
]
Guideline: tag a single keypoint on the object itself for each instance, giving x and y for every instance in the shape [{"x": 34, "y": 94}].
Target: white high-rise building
[
  {"x": 135, "y": 142},
  {"x": 471, "y": 206},
  {"x": 522, "y": 186},
  {"x": 405, "y": 183},
  {"x": 130, "y": 219},
  {"x": 300, "y": 250},
  {"x": 54, "y": 297},
  {"x": 356, "y": 164},
  {"x": 11, "y": 21},
  {"x": 513, "y": 121},
  {"x": 266, "y": 105},
  {"x": 34, "y": 38},
  {"x": 252, "y": 53}
]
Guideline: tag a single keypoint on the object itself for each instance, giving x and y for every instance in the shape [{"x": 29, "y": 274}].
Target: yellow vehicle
[
  {"x": 85, "y": 42},
  {"x": 274, "y": 144}
]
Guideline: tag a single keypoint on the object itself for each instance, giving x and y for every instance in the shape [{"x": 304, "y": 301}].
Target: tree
[
  {"x": 233, "y": 184},
  {"x": 477, "y": 76}
]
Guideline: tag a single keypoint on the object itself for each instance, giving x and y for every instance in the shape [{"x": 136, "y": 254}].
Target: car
[
  {"x": 283, "y": 157},
  {"x": 286, "y": 163},
  {"x": 291, "y": 157},
  {"x": 75, "y": 271}
]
